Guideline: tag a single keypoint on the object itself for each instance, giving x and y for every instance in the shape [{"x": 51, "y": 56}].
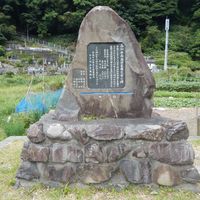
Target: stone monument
[{"x": 109, "y": 79}]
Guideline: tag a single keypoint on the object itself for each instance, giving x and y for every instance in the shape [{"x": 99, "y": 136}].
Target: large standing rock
[{"x": 121, "y": 88}]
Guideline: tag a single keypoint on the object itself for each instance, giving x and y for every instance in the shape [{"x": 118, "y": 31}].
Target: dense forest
[{"x": 43, "y": 18}]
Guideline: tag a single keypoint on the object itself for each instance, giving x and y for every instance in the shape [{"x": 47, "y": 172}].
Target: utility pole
[{"x": 166, "y": 42}]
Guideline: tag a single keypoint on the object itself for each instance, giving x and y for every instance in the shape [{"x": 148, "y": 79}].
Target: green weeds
[{"x": 12, "y": 90}]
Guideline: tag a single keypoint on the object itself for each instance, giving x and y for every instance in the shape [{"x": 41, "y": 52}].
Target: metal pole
[
  {"x": 198, "y": 121},
  {"x": 166, "y": 42}
]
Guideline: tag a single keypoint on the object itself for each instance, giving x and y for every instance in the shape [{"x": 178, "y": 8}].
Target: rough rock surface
[
  {"x": 139, "y": 82},
  {"x": 92, "y": 173},
  {"x": 164, "y": 174},
  {"x": 62, "y": 153},
  {"x": 105, "y": 132},
  {"x": 176, "y": 130},
  {"x": 28, "y": 171},
  {"x": 55, "y": 131},
  {"x": 36, "y": 153},
  {"x": 175, "y": 153},
  {"x": 35, "y": 133},
  {"x": 128, "y": 151},
  {"x": 136, "y": 171},
  {"x": 145, "y": 132},
  {"x": 61, "y": 173},
  {"x": 190, "y": 175}
]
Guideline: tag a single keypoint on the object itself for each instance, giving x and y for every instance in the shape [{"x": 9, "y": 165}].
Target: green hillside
[{"x": 45, "y": 18}]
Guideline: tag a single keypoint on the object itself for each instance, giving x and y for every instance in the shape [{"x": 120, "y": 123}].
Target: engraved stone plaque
[
  {"x": 79, "y": 78},
  {"x": 106, "y": 65}
]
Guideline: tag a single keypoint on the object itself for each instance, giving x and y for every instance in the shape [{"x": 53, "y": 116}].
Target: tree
[
  {"x": 137, "y": 13},
  {"x": 160, "y": 9},
  {"x": 153, "y": 40},
  {"x": 195, "y": 46},
  {"x": 196, "y": 14},
  {"x": 7, "y": 32}
]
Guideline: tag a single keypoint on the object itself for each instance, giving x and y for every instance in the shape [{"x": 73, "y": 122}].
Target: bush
[
  {"x": 177, "y": 94},
  {"x": 19, "y": 65},
  {"x": 179, "y": 59},
  {"x": 176, "y": 102},
  {"x": 56, "y": 85},
  {"x": 9, "y": 74},
  {"x": 195, "y": 67},
  {"x": 9, "y": 79},
  {"x": 184, "y": 72},
  {"x": 180, "y": 38},
  {"x": 20, "y": 122},
  {"x": 195, "y": 45},
  {"x": 9, "y": 32},
  {"x": 153, "y": 40},
  {"x": 179, "y": 86},
  {"x": 2, "y": 51},
  {"x": 2, "y": 38},
  {"x": 14, "y": 128}
]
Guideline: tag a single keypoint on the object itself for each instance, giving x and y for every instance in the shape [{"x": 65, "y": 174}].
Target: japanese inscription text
[
  {"x": 79, "y": 78},
  {"x": 106, "y": 65}
]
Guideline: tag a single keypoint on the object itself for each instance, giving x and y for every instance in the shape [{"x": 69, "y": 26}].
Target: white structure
[
  {"x": 151, "y": 64},
  {"x": 166, "y": 42}
]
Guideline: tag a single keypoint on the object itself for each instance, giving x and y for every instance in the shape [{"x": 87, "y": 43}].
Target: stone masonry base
[{"x": 107, "y": 152}]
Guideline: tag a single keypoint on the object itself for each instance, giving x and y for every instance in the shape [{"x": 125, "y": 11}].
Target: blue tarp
[{"x": 39, "y": 102}]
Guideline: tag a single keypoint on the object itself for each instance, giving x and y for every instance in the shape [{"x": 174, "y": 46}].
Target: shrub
[
  {"x": 153, "y": 39},
  {"x": 20, "y": 122},
  {"x": 19, "y": 65},
  {"x": 13, "y": 80},
  {"x": 177, "y": 94},
  {"x": 2, "y": 51},
  {"x": 9, "y": 74},
  {"x": 179, "y": 59},
  {"x": 179, "y": 86},
  {"x": 195, "y": 67},
  {"x": 56, "y": 85},
  {"x": 184, "y": 72},
  {"x": 176, "y": 102},
  {"x": 14, "y": 128},
  {"x": 180, "y": 38}
]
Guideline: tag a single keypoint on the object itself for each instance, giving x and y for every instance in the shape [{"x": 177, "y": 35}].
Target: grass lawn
[{"x": 9, "y": 165}]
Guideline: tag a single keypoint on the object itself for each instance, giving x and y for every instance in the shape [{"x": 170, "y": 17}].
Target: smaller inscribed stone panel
[
  {"x": 106, "y": 65},
  {"x": 79, "y": 78}
]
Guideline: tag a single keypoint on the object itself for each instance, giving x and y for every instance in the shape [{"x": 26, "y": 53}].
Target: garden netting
[{"x": 39, "y": 102}]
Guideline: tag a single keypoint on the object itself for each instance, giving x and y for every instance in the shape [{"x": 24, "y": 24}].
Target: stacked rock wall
[{"x": 108, "y": 152}]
